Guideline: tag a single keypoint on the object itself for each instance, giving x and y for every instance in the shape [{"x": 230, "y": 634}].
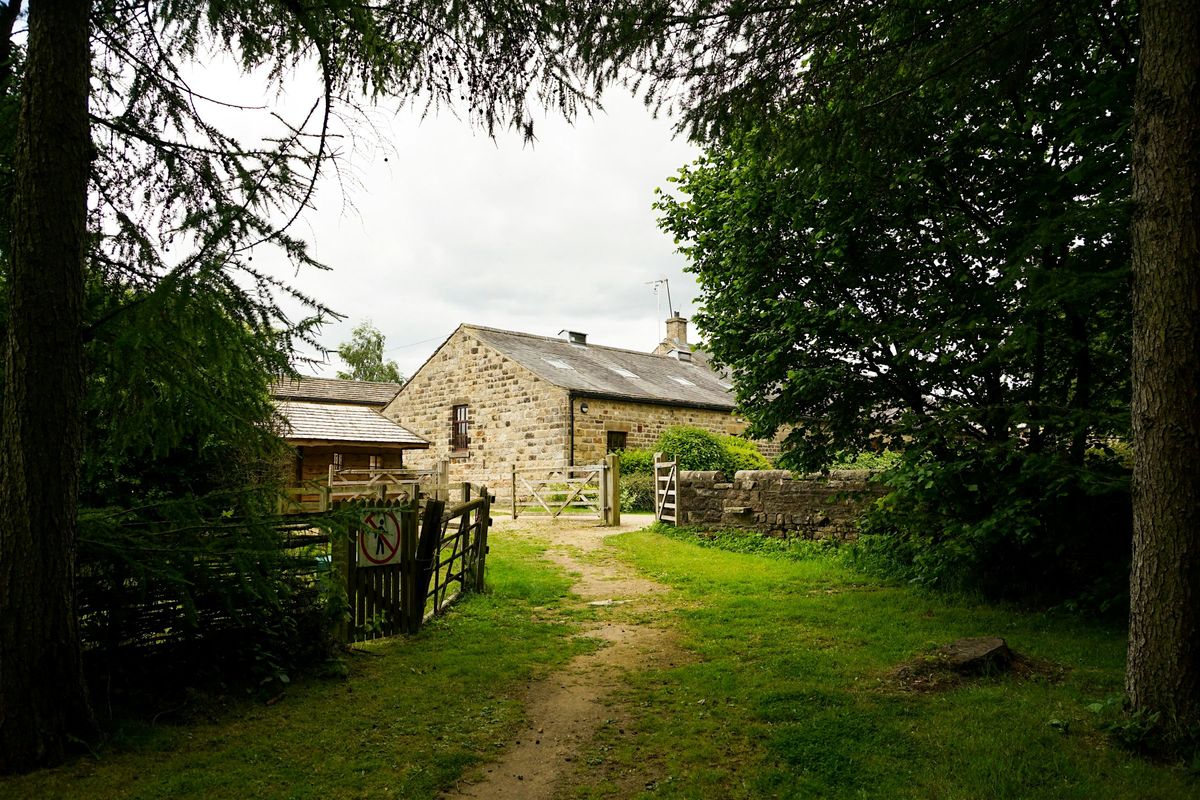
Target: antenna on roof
[{"x": 667, "y": 284}]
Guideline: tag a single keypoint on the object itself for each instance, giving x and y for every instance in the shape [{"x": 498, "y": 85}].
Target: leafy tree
[
  {"x": 364, "y": 355},
  {"x": 179, "y": 209},
  {"x": 947, "y": 272},
  {"x": 742, "y": 65}
]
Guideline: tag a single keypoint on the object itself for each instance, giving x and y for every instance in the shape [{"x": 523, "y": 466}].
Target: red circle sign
[{"x": 384, "y": 536}]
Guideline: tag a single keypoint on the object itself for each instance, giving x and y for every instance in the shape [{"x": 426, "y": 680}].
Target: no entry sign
[{"x": 379, "y": 540}]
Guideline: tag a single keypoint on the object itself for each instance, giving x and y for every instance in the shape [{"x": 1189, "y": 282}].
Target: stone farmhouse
[
  {"x": 338, "y": 423},
  {"x": 489, "y": 399}
]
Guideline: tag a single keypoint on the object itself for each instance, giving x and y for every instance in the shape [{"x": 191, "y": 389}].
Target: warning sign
[{"x": 379, "y": 541}]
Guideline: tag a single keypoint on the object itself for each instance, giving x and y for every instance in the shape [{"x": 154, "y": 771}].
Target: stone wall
[
  {"x": 642, "y": 424},
  {"x": 513, "y": 416},
  {"x": 778, "y": 504}
]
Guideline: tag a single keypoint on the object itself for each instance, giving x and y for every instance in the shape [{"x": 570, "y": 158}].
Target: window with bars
[
  {"x": 375, "y": 463},
  {"x": 459, "y": 429},
  {"x": 339, "y": 462}
]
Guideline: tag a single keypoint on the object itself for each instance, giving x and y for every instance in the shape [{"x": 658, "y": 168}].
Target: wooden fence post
[
  {"x": 614, "y": 488},
  {"x": 409, "y": 570},
  {"x": 514, "y": 491},
  {"x": 604, "y": 498},
  {"x": 466, "y": 492},
  {"x": 324, "y": 498},
  {"x": 427, "y": 549},
  {"x": 443, "y": 481},
  {"x": 343, "y": 554},
  {"x": 481, "y": 542}
]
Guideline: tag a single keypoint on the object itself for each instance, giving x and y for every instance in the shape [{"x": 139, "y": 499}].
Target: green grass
[
  {"x": 414, "y": 714},
  {"x": 787, "y": 693}
]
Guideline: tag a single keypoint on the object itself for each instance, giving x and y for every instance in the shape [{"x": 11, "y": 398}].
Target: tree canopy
[
  {"x": 948, "y": 264},
  {"x": 363, "y": 354}
]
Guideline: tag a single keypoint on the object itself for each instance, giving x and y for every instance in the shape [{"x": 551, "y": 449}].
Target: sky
[{"x": 432, "y": 224}]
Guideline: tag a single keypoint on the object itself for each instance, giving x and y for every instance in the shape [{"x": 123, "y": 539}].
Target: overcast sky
[{"x": 454, "y": 227}]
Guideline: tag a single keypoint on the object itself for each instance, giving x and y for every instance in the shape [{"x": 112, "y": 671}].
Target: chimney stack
[{"x": 677, "y": 331}]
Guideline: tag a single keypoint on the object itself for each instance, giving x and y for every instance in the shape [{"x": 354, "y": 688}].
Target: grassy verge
[
  {"x": 413, "y": 714},
  {"x": 790, "y": 693}
]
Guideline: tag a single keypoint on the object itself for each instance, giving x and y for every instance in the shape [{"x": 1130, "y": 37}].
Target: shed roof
[
  {"x": 610, "y": 371},
  {"x": 344, "y": 422},
  {"x": 329, "y": 390}
]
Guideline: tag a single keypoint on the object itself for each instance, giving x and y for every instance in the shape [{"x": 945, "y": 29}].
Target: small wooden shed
[{"x": 338, "y": 423}]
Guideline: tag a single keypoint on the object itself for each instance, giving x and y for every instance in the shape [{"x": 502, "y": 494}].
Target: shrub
[
  {"x": 694, "y": 448},
  {"x": 637, "y": 492},
  {"x": 743, "y": 454},
  {"x": 1004, "y": 523},
  {"x": 636, "y": 462},
  {"x": 698, "y": 449},
  {"x": 867, "y": 459}
]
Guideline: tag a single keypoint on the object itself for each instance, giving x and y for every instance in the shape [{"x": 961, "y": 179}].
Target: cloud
[{"x": 454, "y": 227}]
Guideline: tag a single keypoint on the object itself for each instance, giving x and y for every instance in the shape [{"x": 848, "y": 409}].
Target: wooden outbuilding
[{"x": 338, "y": 424}]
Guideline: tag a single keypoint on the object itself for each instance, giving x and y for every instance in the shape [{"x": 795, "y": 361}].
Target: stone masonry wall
[
  {"x": 513, "y": 415},
  {"x": 778, "y": 504},
  {"x": 643, "y": 423}
]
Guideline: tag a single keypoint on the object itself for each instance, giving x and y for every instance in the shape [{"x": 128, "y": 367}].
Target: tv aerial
[{"x": 667, "y": 285}]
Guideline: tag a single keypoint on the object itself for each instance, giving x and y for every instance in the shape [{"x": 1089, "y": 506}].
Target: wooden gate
[
  {"x": 666, "y": 490},
  {"x": 388, "y": 582},
  {"x": 566, "y": 492},
  {"x": 452, "y": 551}
]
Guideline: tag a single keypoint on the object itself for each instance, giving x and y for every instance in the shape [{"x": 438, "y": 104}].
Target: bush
[
  {"x": 743, "y": 454},
  {"x": 1006, "y": 524},
  {"x": 637, "y": 492},
  {"x": 867, "y": 459},
  {"x": 698, "y": 449},
  {"x": 636, "y": 462},
  {"x": 694, "y": 448}
]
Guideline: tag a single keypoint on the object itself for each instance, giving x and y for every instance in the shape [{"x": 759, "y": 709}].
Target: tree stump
[{"x": 983, "y": 655}]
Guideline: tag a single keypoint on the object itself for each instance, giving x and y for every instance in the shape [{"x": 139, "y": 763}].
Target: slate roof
[
  {"x": 328, "y": 390},
  {"x": 343, "y": 422},
  {"x": 598, "y": 371}
]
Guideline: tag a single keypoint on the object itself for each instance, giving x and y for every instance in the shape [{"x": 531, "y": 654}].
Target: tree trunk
[
  {"x": 42, "y": 697},
  {"x": 1164, "y": 626}
]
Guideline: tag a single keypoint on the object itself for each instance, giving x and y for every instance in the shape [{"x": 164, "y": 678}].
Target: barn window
[
  {"x": 338, "y": 462},
  {"x": 375, "y": 463},
  {"x": 459, "y": 439},
  {"x": 616, "y": 441}
]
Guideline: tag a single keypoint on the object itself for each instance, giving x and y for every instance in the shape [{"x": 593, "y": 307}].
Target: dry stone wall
[
  {"x": 513, "y": 416},
  {"x": 819, "y": 506}
]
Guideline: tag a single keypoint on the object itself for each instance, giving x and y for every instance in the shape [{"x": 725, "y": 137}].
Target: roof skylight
[
  {"x": 624, "y": 373},
  {"x": 682, "y": 381},
  {"x": 554, "y": 362}
]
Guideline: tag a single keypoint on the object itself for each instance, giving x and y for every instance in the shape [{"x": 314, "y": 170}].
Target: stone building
[
  {"x": 338, "y": 423},
  {"x": 489, "y": 399}
]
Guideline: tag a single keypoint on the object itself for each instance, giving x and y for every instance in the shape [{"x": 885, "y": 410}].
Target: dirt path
[{"x": 565, "y": 708}]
